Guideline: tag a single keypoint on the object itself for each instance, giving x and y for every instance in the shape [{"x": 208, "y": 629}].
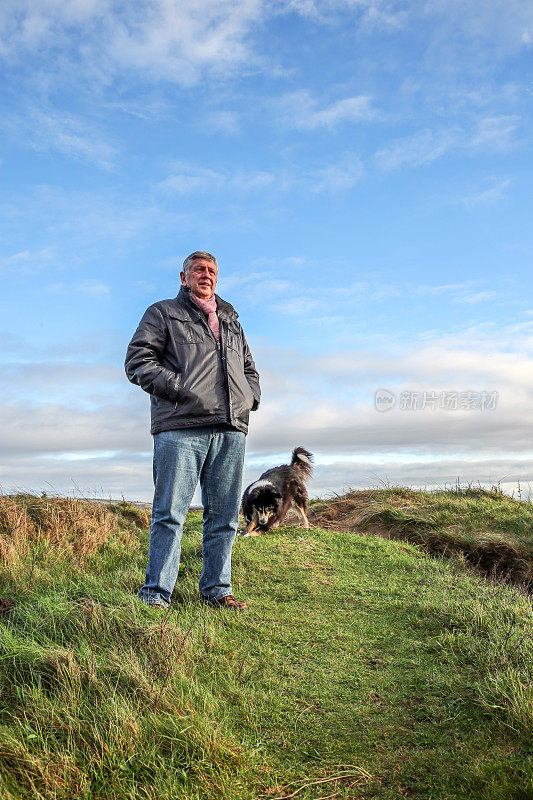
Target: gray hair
[{"x": 187, "y": 264}]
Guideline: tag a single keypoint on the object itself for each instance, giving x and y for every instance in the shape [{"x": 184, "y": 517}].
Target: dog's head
[{"x": 262, "y": 507}]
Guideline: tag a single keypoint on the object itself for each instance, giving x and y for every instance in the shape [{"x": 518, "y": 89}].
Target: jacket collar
[{"x": 224, "y": 310}]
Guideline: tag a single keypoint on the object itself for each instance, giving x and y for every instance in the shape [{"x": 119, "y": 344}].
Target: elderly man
[{"x": 190, "y": 355}]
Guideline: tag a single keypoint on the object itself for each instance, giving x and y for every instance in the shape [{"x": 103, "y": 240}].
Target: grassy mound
[
  {"x": 366, "y": 669},
  {"x": 491, "y": 530}
]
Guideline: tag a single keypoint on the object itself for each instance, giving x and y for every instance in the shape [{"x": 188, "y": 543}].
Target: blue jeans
[{"x": 181, "y": 458}]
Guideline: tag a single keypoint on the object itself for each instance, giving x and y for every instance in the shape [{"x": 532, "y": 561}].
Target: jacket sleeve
[
  {"x": 252, "y": 376},
  {"x": 144, "y": 357}
]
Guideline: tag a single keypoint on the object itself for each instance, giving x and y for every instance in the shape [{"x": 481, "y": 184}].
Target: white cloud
[
  {"x": 113, "y": 475},
  {"x": 219, "y": 121},
  {"x": 182, "y": 41},
  {"x": 29, "y": 262},
  {"x": 336, "y": 305},
  {"x": 299, "y": 306},
  {"x": 477, "y": 297},
  {"x": 506, "y": 24},
  {"x": 492, "y": 190},
  {"x": 78, "y": 218},
  {"x": 418, "y": 149},
  {"x": 96, "y": 432},
  {"x": 94, "y": 288},
  {"x": 188, "y": 178},
  {"x": 255, "y": 287},
  {"x": 492, "y": 134},
  {"x": 172, "y": 39},
  {"x": 337, "y": 177},
  {"x": 65, "y": 133},
  {"x": 301, "y": 110},
  {"x": 368, "y": 15}
]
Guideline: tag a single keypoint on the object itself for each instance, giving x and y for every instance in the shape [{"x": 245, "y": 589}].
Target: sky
[{"x": 362, "y": 171}]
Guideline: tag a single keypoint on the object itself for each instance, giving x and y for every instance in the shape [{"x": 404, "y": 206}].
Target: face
[
  {"x": 261, "y": 516},
  {"x": 201, "y": 278},
  {"x": 258, "y": 521},
  {"x": 264, "y": 514}
]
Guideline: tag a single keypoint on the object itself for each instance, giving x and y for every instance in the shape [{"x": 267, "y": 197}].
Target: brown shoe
[{"x": 228, "y": 601}]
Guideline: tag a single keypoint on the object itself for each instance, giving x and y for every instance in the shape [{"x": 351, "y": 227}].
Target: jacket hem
[{"x": 177, "y": 425}]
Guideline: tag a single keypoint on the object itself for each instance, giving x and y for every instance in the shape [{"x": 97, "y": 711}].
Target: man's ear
[{"x": 182, "y": 276}]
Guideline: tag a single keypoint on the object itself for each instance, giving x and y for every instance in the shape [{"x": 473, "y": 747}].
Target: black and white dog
[{"x": 266, "y": 502}]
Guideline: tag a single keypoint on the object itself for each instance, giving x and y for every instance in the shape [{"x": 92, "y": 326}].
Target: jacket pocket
[
  {"x": 182, "y": 329},
  {"x": 234, "y": 341}
]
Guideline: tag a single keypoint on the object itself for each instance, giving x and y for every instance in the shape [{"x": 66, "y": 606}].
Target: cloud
[
  {"x": 47, "y": 129},
  {"x": 492, "y": 134},
  {"x": 29, "y": 262},
  {"x": 114, "y": 475},
  {"x": 220, "y": 121},
  {"x": 477, "y": 297},
  {"x": 337, "y": 177},
  {"x": 299, "y": 306},
  {"x": 52, "y": 428},
  {"x": 506, "y": 24},
  {"x": 418, "y": 149},
  {"x": 369, "y": 15},
  {"x": 337, "y": 303},
  {"x": 300, "y": 110},
  {"x": 184, "y": 41},
  {"x": 172, "y": 39},
  {"x": 493, "y": 190},
  {"x": 186, "y": 178},
  {"x": 80, "y": 218},
  {"x": 91, "y": 426},
  {"x": 94, "y": 288},
  {"x": 254, "y": 286}
]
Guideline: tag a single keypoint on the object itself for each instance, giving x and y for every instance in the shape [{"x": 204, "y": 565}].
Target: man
[{"x": 191, "y": 356}]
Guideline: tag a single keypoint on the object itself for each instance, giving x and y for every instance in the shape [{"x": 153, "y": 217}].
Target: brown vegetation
[{"x": 66, "y": 525}]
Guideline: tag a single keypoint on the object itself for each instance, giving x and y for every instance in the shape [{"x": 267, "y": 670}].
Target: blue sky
[{"x": 361, "y": 169}]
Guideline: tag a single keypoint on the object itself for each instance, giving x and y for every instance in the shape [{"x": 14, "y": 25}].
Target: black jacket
[{"x": 192, "y": 380}]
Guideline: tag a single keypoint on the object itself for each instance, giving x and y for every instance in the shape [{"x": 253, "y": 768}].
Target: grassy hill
[
  {"x": 367, "y": 667},
  {"x": 488, "y": 529}
]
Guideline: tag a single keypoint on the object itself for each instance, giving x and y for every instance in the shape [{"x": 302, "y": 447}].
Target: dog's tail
[{"x": 302, "y": 460}]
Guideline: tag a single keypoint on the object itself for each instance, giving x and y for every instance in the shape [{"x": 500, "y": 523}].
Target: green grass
[
  {"x": 491, "y": 530},
  {"x": 365, "y": 664}
]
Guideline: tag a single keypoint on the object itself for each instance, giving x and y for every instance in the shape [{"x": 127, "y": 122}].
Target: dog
[{"x": 266, "y": 502}]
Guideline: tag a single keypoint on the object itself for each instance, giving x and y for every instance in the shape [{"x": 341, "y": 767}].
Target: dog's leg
[
  {"x": 303, "y": 516},
  {"x": 284, "y": 508},
  {"x": 250, "y": 532},
  {"x": 251, "y": 528}
]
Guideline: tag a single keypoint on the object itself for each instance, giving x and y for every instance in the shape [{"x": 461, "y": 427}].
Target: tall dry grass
[{"x": 68, "y": 525}]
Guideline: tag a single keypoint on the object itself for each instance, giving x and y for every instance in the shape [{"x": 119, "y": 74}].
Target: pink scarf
[{"x": 210, "y": 308}]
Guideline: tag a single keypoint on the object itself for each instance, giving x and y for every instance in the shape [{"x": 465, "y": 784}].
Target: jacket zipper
[
  {"x": 224, "y": 358},
  {"x": 220, "y": 352}
]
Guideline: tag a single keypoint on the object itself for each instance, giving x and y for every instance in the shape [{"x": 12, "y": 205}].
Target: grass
[
  {"x": 366, "y": 668},
  {"x": 491, "y": 530}
]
